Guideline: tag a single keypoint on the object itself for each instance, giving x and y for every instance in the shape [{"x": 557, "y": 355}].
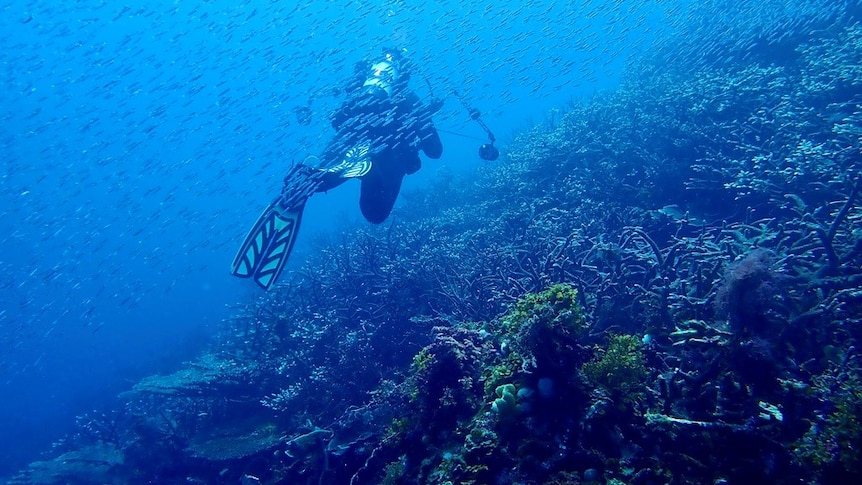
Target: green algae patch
[{"x": 620, "y": 369}]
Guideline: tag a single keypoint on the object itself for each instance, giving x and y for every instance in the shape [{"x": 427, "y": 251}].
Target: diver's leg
[
  {"x": 412, "y": 163},
  {"x": 378, "y": 194},
  {"x": 329, "y": 181},
  {"x": 430, "y": 144},
  {"x": 331, "y": 156}
]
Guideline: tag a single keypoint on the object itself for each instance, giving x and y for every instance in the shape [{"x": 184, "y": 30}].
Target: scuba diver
[
  {"x": 382, "y": 117},
  {"x": 380, "y": 129}
]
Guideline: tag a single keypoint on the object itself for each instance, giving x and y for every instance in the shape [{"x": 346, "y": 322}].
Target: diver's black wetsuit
[{"x": 395, "y": 127}]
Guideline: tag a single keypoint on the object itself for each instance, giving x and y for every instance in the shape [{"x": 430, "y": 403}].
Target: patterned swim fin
[{"x": 268, "y": 245}]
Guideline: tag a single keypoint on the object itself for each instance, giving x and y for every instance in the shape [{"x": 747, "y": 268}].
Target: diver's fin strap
[
  {"x": 356, "y": 163},
  {"x": 302, "y": 181}
]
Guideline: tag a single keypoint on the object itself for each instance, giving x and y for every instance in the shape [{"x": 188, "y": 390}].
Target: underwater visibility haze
[{"x": 659, "y": 280}]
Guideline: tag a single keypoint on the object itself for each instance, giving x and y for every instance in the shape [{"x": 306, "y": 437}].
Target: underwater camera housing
[{"x": 488, "y": 152}]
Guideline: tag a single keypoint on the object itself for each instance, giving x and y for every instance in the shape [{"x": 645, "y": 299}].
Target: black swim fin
[{"x": 267, "y": 246}]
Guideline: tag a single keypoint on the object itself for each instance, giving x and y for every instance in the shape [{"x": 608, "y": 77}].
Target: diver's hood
[{"x": 383, "y": 76}]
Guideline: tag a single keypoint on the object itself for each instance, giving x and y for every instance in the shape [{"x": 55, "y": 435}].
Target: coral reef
[
  {"x": 445, "y": 385},
  {"x": 620, "y": 369},
  {"x": 660, "y": 285},
  {"x": 747, "y": 292},
  {"x": 831, "y": 443}
]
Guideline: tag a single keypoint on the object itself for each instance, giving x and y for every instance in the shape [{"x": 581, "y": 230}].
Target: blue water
[{"x": 140, "y": 139}]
